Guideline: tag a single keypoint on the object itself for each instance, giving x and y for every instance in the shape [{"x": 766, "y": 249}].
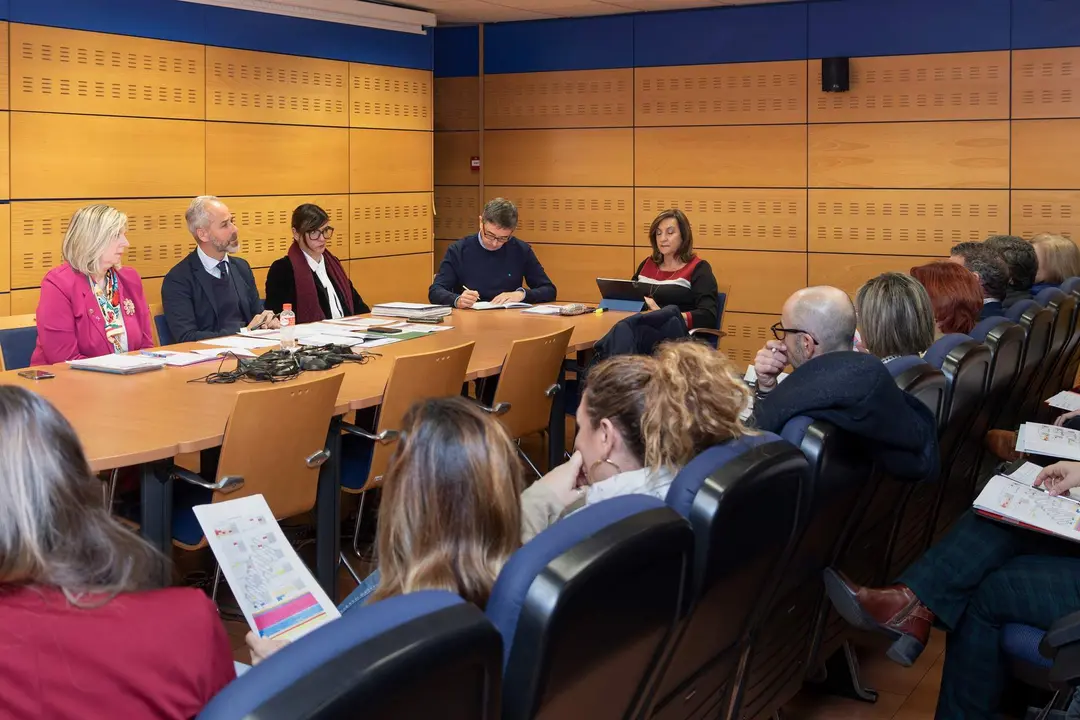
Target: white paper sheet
[
  {"x": 222, "y": 352},
  {"x": 276, "y": 592},
  {"x": 237, "y": 341},
  {"x": 1051, "y": 440},
  {"x": 1065, "y": 400},
  {"x": 1028, "y": 472},
  {"x": 1019, "y": 503},
  {"x": 422, "y": 327},
  {"x": 117, "y": 363},
  {"x": 544, "y": 310}
]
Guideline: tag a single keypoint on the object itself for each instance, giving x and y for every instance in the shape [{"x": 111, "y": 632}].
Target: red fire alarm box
[{"x": 474, "y": 163}]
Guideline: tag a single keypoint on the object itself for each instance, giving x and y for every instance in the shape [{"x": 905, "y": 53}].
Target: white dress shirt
[
  {"x": 210, "y": 264},
  {"x": 336, "y": 311}
]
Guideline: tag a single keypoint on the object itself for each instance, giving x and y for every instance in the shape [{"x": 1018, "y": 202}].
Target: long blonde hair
[
  {"x": 91, "y": 229},
  {"x": 54, "y": 528},
  {"x": 450, "y": 516},
  {"x": 1060, "y": 257}
]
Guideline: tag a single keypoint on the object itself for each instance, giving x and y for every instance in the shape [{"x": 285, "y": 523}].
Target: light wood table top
[{"x": 131, "y": 419}]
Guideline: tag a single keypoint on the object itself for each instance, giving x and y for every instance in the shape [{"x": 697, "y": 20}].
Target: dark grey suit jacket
[{"x": 188, "y": 298}]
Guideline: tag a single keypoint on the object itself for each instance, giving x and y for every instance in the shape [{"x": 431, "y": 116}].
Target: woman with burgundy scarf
[{"x": 310, "y": 278}]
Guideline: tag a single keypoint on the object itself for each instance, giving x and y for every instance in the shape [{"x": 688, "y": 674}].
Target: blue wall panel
[
  {"x": 457, "y": 51},
  {"x": 721, "y": 35},
  {"x": 907, "y": 27},
  {"x": 187, "y": 22},
  {"x": 577, "y": 44},
  {"x": 1045, "y": 23}
]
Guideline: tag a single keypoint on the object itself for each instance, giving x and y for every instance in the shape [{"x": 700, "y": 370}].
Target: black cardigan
[
  {"x": 281, "y": 289},
  {"x": 699, "y": 300}
]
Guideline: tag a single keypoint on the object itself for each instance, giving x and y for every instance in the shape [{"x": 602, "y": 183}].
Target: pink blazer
[{"x": 69, "y": 321}]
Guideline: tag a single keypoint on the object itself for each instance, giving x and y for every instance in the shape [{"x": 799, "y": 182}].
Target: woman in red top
[
  {"x": 82, "y": 632},
  {"x": 683, "y": 278}
]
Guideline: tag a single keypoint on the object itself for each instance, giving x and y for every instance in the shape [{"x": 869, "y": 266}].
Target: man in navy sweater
[{"x": 491, "y": 265}]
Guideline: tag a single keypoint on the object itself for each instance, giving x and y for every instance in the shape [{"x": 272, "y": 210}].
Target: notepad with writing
[{"x": 1018, "y": 503}]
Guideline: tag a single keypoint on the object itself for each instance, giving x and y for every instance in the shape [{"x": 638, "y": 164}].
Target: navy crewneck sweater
[{"x": 490, "y": 272}]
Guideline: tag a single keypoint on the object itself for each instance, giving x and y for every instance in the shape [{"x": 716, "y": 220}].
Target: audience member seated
[
  {"x": 210, "y": 292},
  {"x": 91, "y": 276},
  {"x": 640, "y": 420},
  {"x": 309, "y": 277},
  {"x": 895, "y": 317},
  {"x": 990, "y": 269},
  {"x": 1022, "y": 262},
  {"x": 955, "y": 294},
  {"x": 85, "y": 633},
  {"x": 1059, "y": 260},
  {"x": 831, "y": 382},
  {"x": 980, "y": 576},
  {"x": 688, "y": 280},
  {"x": 450, "y": 516},
  {"x": 492, "y": 266}
]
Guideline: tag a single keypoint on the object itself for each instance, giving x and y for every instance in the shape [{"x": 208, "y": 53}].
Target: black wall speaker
[{"x": 834, "y": 74}]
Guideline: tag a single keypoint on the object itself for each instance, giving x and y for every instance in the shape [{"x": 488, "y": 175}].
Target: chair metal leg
[
  {"x": 527, "y": 460},
  {"x": 349, "y": 567},
  {"x": 108, "y": 489},
  {"x": 1045, "y": 712},
  {"x": 356, "y": 529},
  {"x": 217, "y": 581}
]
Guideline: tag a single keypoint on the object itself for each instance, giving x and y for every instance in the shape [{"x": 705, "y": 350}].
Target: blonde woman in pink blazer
[{"x": 91, "y": 306}]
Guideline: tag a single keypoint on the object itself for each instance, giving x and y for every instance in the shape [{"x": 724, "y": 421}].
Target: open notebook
[
  {"x": 504, "y": 306},
  {"x": 1016, "y": 502}
]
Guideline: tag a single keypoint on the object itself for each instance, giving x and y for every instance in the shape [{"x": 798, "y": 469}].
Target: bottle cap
[{"x": 286, "y": 306}]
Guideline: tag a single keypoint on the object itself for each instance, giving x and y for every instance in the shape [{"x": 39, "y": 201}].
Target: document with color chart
[
  {"x": 1018, "y": 503},
  {"x": 276, "y": 592},
  {"x": 1049, "y": 440}
]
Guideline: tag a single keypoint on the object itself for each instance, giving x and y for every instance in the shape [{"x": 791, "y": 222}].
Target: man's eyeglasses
[
  {"x": 780, "y": 332},
  {"x": 493, "y": 238},
  {"x": 327, "y": 233}
]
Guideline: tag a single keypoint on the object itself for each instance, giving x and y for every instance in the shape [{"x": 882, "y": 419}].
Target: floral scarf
[{"x": 108, "y": 298}]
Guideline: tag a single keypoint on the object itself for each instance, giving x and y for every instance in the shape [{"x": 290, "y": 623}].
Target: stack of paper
[
  {"x": 411, "y": 311},
  {"x": 238, "y": 341},
  {"x": 544, "y": 310},
  {"x": 1050, "y": 440},
  {"x": 118, "y": 364},
  {"x": 1065, "y": 400}
]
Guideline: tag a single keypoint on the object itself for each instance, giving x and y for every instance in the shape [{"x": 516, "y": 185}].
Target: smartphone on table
[{"x": 36, "y": 375}]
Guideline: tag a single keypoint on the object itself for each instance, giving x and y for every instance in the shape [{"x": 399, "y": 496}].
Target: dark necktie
[{"x": 223, "y": 268}]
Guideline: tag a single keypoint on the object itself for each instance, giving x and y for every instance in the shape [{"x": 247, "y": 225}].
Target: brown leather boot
[
  {"x": 1002, "y": 443},
  {"x": 893, "y": 611}
]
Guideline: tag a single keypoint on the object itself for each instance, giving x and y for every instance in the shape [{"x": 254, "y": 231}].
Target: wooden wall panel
[
  {"x": 951, "y": 86},
  {"x": 849, "y": 272},
  {"x": 1052, "y": 211},
  {"x": 904, "y": 222},
  {"x": 746, "y": 334},
  {"x": 457, "y": 103},
  {"x": 389, "y": 161},
  {"x": 247, "y": 86},
  {"x": 5, "y": 248},
  {"x": 574, "y": 269},
  {"x": 265, "y": 225},
  {"x": 73, "y": 156},
  {"x": 397, "y": 278},
  {"x": 389, "y": 97},
  {"x": 739, "y": 156},
  {"x": 577, "y": 216},
  {"x": 1046, "y": 83},
  {"x": 1045, "y": 154},
  {"x": 5, "y": 155},
  {"x": 456, "y": 211},
  {"x": 25, "y": 302},
  {"x": 736, "y": 93},
  {"x": 5, "y": 304},
  {"x": 247, "y": 159},
  {"x": 60, "y": 70},
  {"x": 559, "y": 157},
  {"x": 910, "y": 155},
  {"x": 571, "y": 99},
  {"x": 5, "y": 72},
  {"x": 391, "y": 224},
  {"x": 732, "y": 218},
  {"x": 453, "y": 153}
]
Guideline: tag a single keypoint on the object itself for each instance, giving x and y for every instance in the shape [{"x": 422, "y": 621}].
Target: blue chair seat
[
  {"x": 1021, "y": 644},
  {"x": 164, "y": 335},
  {"x": 185, "y": 526},
  {"x": 356, "y": 454}
]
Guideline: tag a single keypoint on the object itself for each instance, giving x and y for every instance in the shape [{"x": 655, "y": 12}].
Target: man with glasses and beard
[{"x": 210, "y": 292}]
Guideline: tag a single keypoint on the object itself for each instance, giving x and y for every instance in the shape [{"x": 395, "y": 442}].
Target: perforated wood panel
[
  {"x": 1052, "y": 211},
  {"x": 904, "y": 222},
  {"x": 731, "y": 218},
  {"x": 5, "y": 248},
  {"x": 265, "y": 225},
  {"x": 24, "y": 302},
  {"x": 83, "y": 156},
  {"x": 457, "y": 103},
  {"x": 269, "y": 88},
  {"x": 248, "y": 159},
  {"x": 389, "y": 97},
  {"x": 849, "y": 272},
  {"x": 739, "y": 156},
  {"x": 953, "y": 86},
  {"x": 571, "y": 99},
  {"x": 58, "y": 70},
  {"x": 579, "y": 216},
  {"x": 453, "y": 154},
  {"x": 5, "y": 154},
  {"x": 751, "y": 93},
  {"x": 156, "y": 230},
  {"x": 391, "y": 224},
  {"x": 397, "y": 278},
  {"x": 1046, "y": 154},
  {"x": 910, "y": 155},
  {"x": 746, "y": 334},
  {"x": 389, "y": 161},
  {"x": 456, "y": 211},
  {"x": 567, "y": 158},
  {"x": 1046, "y": 83},
  {"x": 574, "y": 269}
]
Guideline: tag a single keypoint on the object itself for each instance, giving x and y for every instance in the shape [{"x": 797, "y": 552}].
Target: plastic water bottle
[{"x": 288, "y": 327}]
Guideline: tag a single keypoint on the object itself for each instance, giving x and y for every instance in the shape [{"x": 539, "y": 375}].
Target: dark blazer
[
  {"x": 1014, "y": 296},
  {"x": 281, "y": 289},
  {"x": 188, "y": 298},
  {"x": 991, "y": 309}
]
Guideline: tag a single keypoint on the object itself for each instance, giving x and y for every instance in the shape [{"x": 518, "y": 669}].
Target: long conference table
[{"x": 148, "y": 419}]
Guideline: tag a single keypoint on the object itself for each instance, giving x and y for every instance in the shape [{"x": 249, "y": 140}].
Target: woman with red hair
[{"x": 955, "y": 294}]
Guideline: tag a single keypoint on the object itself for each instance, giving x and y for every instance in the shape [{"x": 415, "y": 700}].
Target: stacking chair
[
  {"x": 586, "y": 606},
  {"x": 159, "y": 328},
  {"x": 18, "y": 338},
  {"x": 1037, "y": 323},
  {"x": 742, "y": 499},
  {"x": 426, "y": 654},
  {"x": 364, "y": 454},
  {"x": 527, "y": 384}
]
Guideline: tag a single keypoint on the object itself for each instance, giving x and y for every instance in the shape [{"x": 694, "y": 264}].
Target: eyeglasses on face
[
  {"x": 327, "y": 233},
  {"x": 780, "y": 332},
  {"x": 492, "y": 237}
]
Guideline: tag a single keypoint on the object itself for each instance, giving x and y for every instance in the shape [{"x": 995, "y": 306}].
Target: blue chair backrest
[
  {"x": 936, "y": 353},
  {"x": 916, "y": 377},
  {"x": 794, "y": 430},
  {"x": 1017, "y": 311},
  {"x": 596, "y": 596},
  {"x": 1047, "y": 295},
  {"x": 721, "y": 303},
  {"x": 425, "y": 654},
  {"x": 18, "y": 346},
  {"x": 164, "y": 334},
  {"x": 1071, "y": 286},
  {"x": 986, "y": 325}
]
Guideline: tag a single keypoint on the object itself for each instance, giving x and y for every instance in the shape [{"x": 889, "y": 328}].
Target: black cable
[{"x": 284, "y": 365}]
